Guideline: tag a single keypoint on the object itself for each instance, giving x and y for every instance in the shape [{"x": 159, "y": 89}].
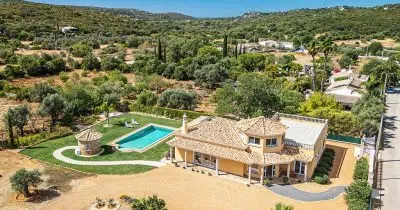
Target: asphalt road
[{"x": 390, "y": 156}]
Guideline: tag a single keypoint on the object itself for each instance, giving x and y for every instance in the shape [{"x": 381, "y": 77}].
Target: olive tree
[
  {"x": 23, "y": 179},
  {"x": 53, "y": 105}
]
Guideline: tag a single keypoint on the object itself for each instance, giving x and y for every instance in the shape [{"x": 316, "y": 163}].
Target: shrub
[
  {"x": 151, "y": 202},
  {"x": 178, "y": 99},
  {"x": 167, "y": 112},
  {"x": 266, "y": 182},
  {"x": 356, "y": 204},
  {"x": 80, "y": 50},
  {"x": 358, "y": 190},
  {"x": 285, "y": 179},
  {"x": 322, "y": 170},
  {"x": 23, "y": 179},
  {"x": 322, "y": 180},
  {"x": 328, "y": 160},
  {"x": 64, "y": 76},
  {"x": 44, "y": 136},
  {"x": 147, "y": 98},
  {"x": 361, "y": 169}
]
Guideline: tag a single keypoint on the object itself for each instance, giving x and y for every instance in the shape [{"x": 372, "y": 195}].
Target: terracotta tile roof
[
  {"x": 88, "y": 135},
  {"x": 220, "y": 137},
  {"x": 215, "y": 130},
  {"x": 261, "y": 126},
  {"x": 214, "y": 150}
]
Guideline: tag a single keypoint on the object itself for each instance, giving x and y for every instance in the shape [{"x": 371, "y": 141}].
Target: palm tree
[
  {"x": 326, "y": 47},
  {"x": 313, "y": 50},
  {"x": 280, "y": 206}
]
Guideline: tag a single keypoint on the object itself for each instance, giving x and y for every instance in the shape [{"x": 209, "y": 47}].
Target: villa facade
[{"x": 257, "y": 148}]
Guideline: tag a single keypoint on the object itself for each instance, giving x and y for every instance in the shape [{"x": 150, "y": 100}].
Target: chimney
[{"x": 184, "y": 125}]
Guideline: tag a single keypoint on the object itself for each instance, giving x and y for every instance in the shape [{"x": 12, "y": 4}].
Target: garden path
[{"x": 58, "y": 155}]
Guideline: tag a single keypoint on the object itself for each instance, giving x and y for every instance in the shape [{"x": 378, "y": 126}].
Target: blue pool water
[{"x": 143, "y": 138}]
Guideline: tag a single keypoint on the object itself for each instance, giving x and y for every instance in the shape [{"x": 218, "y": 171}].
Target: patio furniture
[
  {"x": 127, "y": 125},
  {"x": 134, "y": 122}
]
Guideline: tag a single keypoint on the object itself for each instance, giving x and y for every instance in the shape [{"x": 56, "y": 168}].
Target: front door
[{"x": 269, "y": 171}]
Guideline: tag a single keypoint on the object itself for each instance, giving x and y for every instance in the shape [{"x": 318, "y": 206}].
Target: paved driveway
[
  {"x": 296, "y": 194},
  {"x": 390, "y": 156}
]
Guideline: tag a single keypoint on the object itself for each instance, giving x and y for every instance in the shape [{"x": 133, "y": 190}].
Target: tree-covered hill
[{"x": 340, "y": 22}]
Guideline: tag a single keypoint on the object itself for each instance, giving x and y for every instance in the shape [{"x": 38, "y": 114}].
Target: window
[
  {"x": 271, "y": 142},
  {"x": 254, "y": 140},
  {"x": 299, "y": 167}
]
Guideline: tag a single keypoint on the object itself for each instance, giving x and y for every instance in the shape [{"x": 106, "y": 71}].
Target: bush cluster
[
  {"x": 44, "y": 136},
  {"x": 167, "y": 112},
  {"x": 324, "y": 167},
  {"x": 359, "y": 192}
]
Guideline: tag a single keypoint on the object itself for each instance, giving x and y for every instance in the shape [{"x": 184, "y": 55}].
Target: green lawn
[{"x": 44, "y": 151}]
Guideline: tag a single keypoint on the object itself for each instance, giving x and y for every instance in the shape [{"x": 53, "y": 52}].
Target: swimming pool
[{"x": 142, "y": 139}]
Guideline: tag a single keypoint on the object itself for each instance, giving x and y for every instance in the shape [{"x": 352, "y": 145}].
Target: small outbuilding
[{"x": 89, "y": 142}]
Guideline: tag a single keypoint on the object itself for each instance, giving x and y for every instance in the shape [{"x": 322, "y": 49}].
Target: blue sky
[{"x": 218, "y": 8}]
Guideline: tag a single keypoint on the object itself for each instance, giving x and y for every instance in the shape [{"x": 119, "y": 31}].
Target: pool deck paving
[{"x": 59, "y": 156}]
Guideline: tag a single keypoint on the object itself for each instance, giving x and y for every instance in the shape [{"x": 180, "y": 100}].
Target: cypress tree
[
  {"x": 236, "y": 51},
  {"x": 165, "y": 54},
  {"x": 159, "y": 56},
  {"x": 225, "y": 47}
]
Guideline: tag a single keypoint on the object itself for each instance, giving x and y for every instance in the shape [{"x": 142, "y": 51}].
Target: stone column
[
  {"x": 277, "y": 170},
  {"x": 185, "y": 158},
  {"x": 288, "y": 170},
  {"x": 171, "y": 155},
  {"x": 262, "y": 175},
  {"x": 249, "y": 173},
  {"x": 305, "y": 172},
  {"x": 216, "y": 166}
]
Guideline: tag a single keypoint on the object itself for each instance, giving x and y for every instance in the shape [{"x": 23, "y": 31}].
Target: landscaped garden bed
[
  {"x": 321, "y": 173},
  {"x": 44, "y": 151}
]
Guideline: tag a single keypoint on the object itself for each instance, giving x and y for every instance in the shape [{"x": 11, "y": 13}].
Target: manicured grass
[{"x": 44, "y": 151}]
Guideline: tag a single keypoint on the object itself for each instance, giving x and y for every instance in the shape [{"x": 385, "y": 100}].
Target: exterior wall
[
  {"x": 94, "y": 147},
  {"x": 319, "y": 148},
  {"x": 231, "y": 166},
  {"x": 180, "y": 155},
  {"x": 262, "y": 148}
]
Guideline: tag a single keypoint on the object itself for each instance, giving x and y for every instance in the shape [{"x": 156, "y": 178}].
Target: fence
[{"x": 347, "y": 139}]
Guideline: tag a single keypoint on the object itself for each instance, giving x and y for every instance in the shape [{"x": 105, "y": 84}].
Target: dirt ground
[
  {"x": 387, "y": 43},
  {"x": 182, "y": 189},
  {"x": 56, "y": 180},
  {"x": 345, "y": 175}
]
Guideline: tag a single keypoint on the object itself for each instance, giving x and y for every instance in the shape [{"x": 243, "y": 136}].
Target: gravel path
[
  {"x": 296, "y": 194},
  {"x": 58, "y": 155}
]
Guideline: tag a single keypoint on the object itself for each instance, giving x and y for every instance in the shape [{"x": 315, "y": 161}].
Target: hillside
[{"x": 341, "y": 23}]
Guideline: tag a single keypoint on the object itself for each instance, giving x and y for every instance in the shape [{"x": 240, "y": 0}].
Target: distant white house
[
  {"x": 277, "y": 44},
  {"x": 69, "y": 29},
  {"x": 348, "y": 89}
]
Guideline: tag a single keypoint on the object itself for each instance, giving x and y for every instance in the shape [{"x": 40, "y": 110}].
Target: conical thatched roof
[{"x": 88, "y": 136}]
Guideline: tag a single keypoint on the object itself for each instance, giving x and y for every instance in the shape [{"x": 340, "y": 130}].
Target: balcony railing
[{"x": 295, "y": 144}]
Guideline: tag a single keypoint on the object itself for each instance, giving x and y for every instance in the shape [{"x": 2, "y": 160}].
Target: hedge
[
  {"x": 361, "y": 169},
  {"x": 166, "y": 112},
  {"x": 324, "y": 166},
  {"x": 34, "y": 139}
]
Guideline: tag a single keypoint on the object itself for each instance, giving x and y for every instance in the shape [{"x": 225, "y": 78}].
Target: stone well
[{"x": 89, "y": 142}]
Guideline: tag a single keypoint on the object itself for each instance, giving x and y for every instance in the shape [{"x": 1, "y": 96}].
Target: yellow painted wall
[
  {"x": 180, "y": 155},
  {"x": 231, "y": 166},
  {"x": 262, "y": 148}
]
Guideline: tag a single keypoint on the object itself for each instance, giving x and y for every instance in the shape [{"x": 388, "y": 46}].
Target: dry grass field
[{"x": 387, "y": 43}]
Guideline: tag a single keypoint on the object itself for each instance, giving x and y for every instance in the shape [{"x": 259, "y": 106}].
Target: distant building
[
  {"x": 277, "y": 44},
  {"x": 69, "y": 29},
  {"x": 348, "y": 89}
]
